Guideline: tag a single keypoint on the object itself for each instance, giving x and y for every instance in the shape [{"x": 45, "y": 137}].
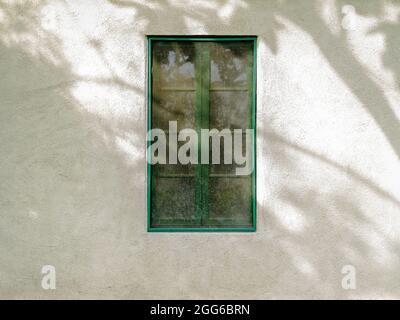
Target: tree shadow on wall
[
  {"x": 59, "y": 169},
  {"x": 66, "y": 187},
  {"x": 346, "y": 226}
]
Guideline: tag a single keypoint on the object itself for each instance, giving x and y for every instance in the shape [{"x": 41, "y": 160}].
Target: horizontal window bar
[
  {"x": 202, "y": 229},
  {"x": 182, "y": 38},
  {"x": 176, "y": 176},
  {"x": 230, "y": 89},
  {"x": 177, "y": 89},
  {"x": 211, "y": 89},
  {"x": 228, "y": 175}
]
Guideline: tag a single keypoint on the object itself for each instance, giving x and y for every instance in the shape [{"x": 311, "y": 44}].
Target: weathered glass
[{"x": 201, "y": 85}]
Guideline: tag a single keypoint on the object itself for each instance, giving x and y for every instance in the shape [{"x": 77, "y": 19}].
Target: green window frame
[{"x": 202, "y": 102}]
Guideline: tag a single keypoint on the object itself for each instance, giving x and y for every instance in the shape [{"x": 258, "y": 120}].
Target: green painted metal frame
[{"x": 253, "y": 228}]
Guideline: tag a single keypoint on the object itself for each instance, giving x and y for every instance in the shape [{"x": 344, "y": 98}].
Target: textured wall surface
[{"x": 72, "y": 151}]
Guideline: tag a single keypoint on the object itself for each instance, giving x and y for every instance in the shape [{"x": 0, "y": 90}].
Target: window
[{"x": 196, "y": 177}]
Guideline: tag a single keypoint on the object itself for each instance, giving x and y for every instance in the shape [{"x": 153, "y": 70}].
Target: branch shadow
[{"x": 66, "y": 192}]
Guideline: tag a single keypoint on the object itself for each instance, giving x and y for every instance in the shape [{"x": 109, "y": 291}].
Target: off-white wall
[{"x": 72, "y": 145}]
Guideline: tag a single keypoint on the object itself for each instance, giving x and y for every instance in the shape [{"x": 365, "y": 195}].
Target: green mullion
[
  {"x": 155, "y": 86},
  {"x": 198, "y": 115},
  {"x": 149, "y": 126},
  {"x": 250, "y": 63},
  {"x": 205, "y": 111},
  {"x": 254, "y": 127}
]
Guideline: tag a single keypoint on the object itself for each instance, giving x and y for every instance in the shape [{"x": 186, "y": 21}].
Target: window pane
[
  {"x": 226, "y": 168},
  {"x": 229, "y": 64},
  {"x": 169, "y": 169},
  {"x": 229, "y": 110},
  {"x": 173, "y": 99},
  {"x": 230, "y": 201},
  {"x": 174, "y": 62},
  {"x": 173, "y": 201},
  {"x": 173, "y": 106}
]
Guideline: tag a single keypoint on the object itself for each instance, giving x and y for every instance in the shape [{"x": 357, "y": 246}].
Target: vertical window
[{"x": 197, "y": 84}]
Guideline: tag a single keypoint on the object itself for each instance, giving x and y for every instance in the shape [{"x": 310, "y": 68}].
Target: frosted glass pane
[
  {"x": 230, "y": 201},
  {"x": 173, "y": 200},
  {"x": 229, "y": 109},
  {"x": 229, "y": 64},
  {"x": 173, "y": 106},
  {"x": 229, "y": 169},
  {"x": 169, "y": 169},
  {"x": 174, "y": 63}
]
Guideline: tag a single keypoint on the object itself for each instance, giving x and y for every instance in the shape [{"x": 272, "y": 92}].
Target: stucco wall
[{"x": 72, "y": 146}]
